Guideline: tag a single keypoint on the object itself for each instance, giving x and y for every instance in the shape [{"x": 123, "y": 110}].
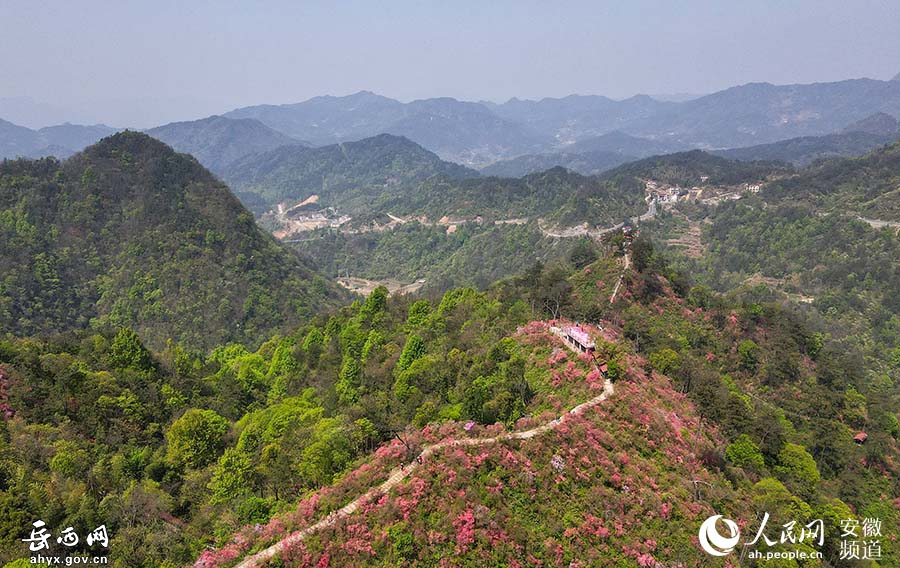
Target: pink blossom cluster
[{"x": 465, "y": 530}]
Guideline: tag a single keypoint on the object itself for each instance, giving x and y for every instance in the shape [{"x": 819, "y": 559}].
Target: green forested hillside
[
  {"x": 501, "y": 227},
  {"x": 346, "y": 175},
  {"x": 474, "y": 255},
  {"x": 557, "y": 195},
  {"x": 868, "y": 185},
  {"x": 844, "y": 272},
  {"x": 131, "y": 233},
  {"x": 685, "y": 168},
  {"x": 801, "y": 236},
  {"x": 389, "y": 174},
  {"x": 480, "y": 251},
  {"x": 202, "y": 448}
]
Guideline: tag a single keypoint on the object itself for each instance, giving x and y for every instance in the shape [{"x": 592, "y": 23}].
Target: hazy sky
[{"x": 141, "y": 63}]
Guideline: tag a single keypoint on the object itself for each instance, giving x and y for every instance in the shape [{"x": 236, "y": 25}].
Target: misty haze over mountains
[{"x": 588, "y": 133}]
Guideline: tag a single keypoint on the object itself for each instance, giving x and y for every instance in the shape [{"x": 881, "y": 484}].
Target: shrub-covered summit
[{"x": 129, "y": 232}]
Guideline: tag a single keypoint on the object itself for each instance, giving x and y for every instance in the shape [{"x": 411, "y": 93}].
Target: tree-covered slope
[
  {"x": 472, "y": 255},
  {"x": 720, "y": 406},
  {"x": 558, "y": 195},
  {"x": 130, "y": 233}
]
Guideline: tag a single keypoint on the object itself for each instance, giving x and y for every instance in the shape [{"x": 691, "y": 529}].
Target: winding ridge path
[
  {"x": 878, "y": 224},
  {"x": 398, "y": 474}
]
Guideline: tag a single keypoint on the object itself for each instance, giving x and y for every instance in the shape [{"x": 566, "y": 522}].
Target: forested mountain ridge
[
  {"x": 391, "y": 174},
  {"x": 804, "y": 150},
  {"x": 130, "y": 233},
  {"x": 868, "y": 185},
  {"x": 474, "y": 231},
  {"x": 341, "y": 175},
  {"x": 686, "y": 168},
  {"x": 880, "y": 123},
  {"x": 217, "y": 141}
]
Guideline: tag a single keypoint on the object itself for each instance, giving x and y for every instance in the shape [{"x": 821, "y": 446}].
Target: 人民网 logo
[{"x": 715, "y": 543}]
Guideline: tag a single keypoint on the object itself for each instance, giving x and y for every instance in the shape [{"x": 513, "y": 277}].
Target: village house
[{"x": 579, "y": 339}]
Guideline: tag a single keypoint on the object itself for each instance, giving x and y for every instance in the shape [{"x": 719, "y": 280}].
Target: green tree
[
  {"x": 414, "y": 348},
  {"x": 128, "y": 351},
  {"x": 666, "y": 361},
  {"x": 348, "y": 380},
  {"x": 233, "y": 476},
  {"x": 196, "y": 438},
  {"x": 641, "y": 253},
  {"x": 748, "y": 351},
  {"x": 744, "y": 452},
  {"x": 419, "y": 313},
  {"x": 797, "y": 467}
]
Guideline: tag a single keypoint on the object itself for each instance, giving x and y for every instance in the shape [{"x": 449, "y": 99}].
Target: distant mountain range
[
  {"x": 589, "y": 156},
  {"x": 479, "y": 134},
  {"x": 576, "y": 117},
  {"x": 854, "y": 140},
  {"x": 484, "y": 135},
  {"x": 744, "y": 115},
  {"x": 760, "y": 112},
  {"x": 61, "y": 141},
  {"x": 217, "y": 141},
  {"x": 463, "y": 132}
]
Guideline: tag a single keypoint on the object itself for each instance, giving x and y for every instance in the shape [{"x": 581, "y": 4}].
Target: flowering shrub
[
  {"x": 465, "y": 531},
  {"x": 557, "y": 356}
]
